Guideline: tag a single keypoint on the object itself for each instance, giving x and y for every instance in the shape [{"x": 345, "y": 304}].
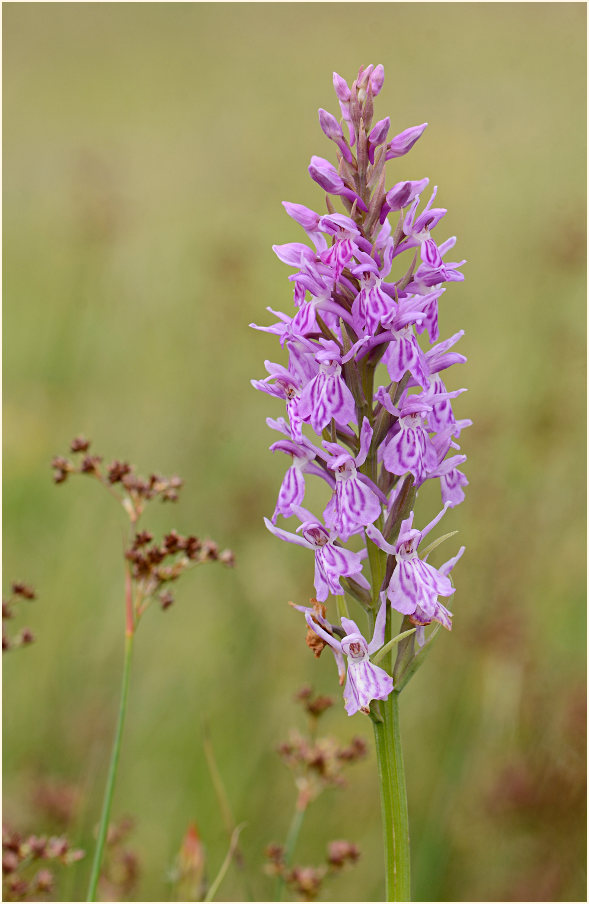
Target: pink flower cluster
[{"x": 366, "y": 285}]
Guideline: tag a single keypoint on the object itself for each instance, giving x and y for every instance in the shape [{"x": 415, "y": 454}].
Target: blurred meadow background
[{"x": 147, "y": 149}]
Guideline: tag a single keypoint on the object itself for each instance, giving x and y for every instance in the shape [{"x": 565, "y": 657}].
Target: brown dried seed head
[
  {"x": 10, "y": 862},
  {"x": 166, "y": 599},
  {"x": 117, "y": 470},
  {"x": 339, "y": 853},
  {"x": 173, "y": 542},
  {"x": 44, "y": 881},
  {"x": 90, "y": 464},
  {"x": 315, "y": 643},
  {"x": 209, "y": 551},
  {"x": 304, "y": 693},
  {"x": 79, "y": 444},
  {"x": 142, "y": 539},
  {"x": 193, "y": 546},
  {"x": 275, "y": 852},
  {"x": 319, "y": 705},
  {"x": 24, "y": 590},
  {"x": 227, "y": 557},
  {"x": 355, "y": 751}
]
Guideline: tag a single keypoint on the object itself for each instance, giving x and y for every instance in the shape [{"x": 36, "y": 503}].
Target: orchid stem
[
  {"x": 112, "y": 772},
  {"x": 393, "y": 794}
]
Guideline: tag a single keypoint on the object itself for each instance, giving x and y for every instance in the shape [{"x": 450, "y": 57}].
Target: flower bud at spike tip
[
  {"x": 330, "y": 126},
  {"x": 403, "y": 142}
]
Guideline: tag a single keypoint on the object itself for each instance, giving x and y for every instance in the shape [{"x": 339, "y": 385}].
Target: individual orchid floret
[
  {"x": 451, "y": 479},
  {"x": 415, "y": 584},
  {"x": 372, "y": 305},
  {"x": 409, "y": 448},
  {"x": 400, "y": 195},
  {"x": 428, "y": 276},
  {"x": 404, "y": 355},
  {"x": 332, "y": 129},
  {"x": 325, "y": 174},
  {"x": 284, "y": 385},
  {"x": 292, "y": 489},
  {"x": 377, "y": 79},
  {"x": 378, "y": 136},
  {"x": 404, "y": 141},
  {"x": 327, "y": 396},
  {"x": 292, "y": 332},
  {"x": 331, "y": 562},
  {"x": 344, "y": 95},
  {"x": 346, "y": 235},
  {"x": 309, "y": 220},
  {"x": 365, "y": 681},
  {"x": 317, "y": 644},
  {"x": 417, "y": 230},
  {"x": 439, "y": 357},
  {"x": 356, "y": 501}
]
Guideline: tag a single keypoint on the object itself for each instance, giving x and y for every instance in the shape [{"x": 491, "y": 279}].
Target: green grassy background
[{"x": 147, "y": 150}]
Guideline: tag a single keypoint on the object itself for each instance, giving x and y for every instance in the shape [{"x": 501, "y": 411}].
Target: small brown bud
[
  {"x": 142, "y": 539},
  {"x": 210, "y": 551},
  {"x": 355, "y": 751},
  {"x": 57, "y": 847},
  {"x": 20, "y": 589},
  {"x": 90, "y": 464},
  {"x": 340, "y": 853},
  {"x": 319, "y": 705},
  {"x": 44, "y": 881},
  {"x": 10, "y": 862},
  {"x": 173, "y": 542},
  {"x": 193, "y": 546},
  {"x": 79, "y": 444},
  {"x": 227, "y": 557},
  {"x": 117, "y": 470},
  {"x": 62, "y": 468},
  {"x": 304, "y": 694},
  {"x": 166, "y": 599},
  {"x": 26, "y": 636}
]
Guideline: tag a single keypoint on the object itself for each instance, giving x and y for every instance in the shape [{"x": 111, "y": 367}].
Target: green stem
[
  {"x": 290, "y": 844},
  {"x": 393, "y": 792},
  {"x": 112, "y": 772}
]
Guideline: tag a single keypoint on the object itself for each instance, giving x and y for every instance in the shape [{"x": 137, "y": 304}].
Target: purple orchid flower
[
  {"x": 331, "y": 562},
  {"x": 327, "y": 397},
  {"x": 372, "y": 305},
  {"x": 309, "y": 220},
  {"x": 365, "y": 681},
  {"x": 404, "y": 355},
  {"x": 415, "y": 585},
  {"x": 350, "y": 314},
  {"x": 325, "y": 174},
  {"x": 332, "y": 129},
  {"x": 284, "y": 385},
  {"x": 292, "y": 489},
  {"x": 356, "y": 501},
  {"x": 432, "y": 275},
  {"x": 409, "y": 448},
  {"x": 346, "y": 235},
  {"x": 401, "y": 195},
  {"x": 404, "y": 141},
  {"x": 378, "y": 136}
]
